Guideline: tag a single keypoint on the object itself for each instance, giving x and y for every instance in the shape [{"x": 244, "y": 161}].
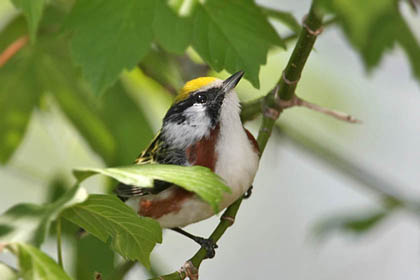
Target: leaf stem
[{"x": 59, "y": 250}]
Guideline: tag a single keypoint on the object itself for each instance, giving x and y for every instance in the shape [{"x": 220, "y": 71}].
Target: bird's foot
[
  {"x": 207, "y": 244},
  {"x": 248, "y": 193}
]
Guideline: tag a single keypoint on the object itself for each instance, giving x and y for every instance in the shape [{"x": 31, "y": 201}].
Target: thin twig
[
  {"x": 253, "y": 108},
  {"x": 12, "y": 49},
  {"x": 333, "y": 113}
]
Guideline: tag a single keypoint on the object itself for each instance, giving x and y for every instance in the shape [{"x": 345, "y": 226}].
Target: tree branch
[
  {"x": 271, "y": 110},
  {"x": 252, "y": 109}
]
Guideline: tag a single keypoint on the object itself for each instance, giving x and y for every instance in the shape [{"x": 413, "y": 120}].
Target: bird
[{"x": 202, "y": 127}]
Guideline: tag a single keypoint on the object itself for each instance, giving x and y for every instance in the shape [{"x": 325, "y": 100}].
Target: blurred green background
[{"x": 315, "y": 167}]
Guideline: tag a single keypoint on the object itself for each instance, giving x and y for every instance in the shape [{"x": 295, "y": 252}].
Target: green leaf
[
  {"x": 18, "y": 77},
  {"x": 110, "y": 36},
  {"x": 7, "y": 272},
  {"x": 171, "y": 31},
  {"x": 122, "y": 35},
  {"x": 36, "y": 265},
  {"x": 30, "y": 222},
  {"x": 198, "y": 179},
  {"x": 114, "y": 126},
  {"x": 32, "y": 9},
  {"x": 110, "y": 220},
  {"x": 92, "y": 255},
  {"x": 233, "y": 35},
  {"x": 374, "y": 27},
  {"x": 355, "y": 224},
  {"x": 284, "y": 17}
]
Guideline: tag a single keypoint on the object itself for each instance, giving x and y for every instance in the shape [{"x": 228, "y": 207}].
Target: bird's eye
[{"x": 201, "y": 98}]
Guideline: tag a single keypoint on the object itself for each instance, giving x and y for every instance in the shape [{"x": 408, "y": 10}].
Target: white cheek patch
[
  {"x": 196, "y": 113},
  {"x": 196, "y": 126}
]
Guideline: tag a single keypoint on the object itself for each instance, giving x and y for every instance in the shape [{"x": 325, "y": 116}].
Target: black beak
[{"x": 231, "y": 82}]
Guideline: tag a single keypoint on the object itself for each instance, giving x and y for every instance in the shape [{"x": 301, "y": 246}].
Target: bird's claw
[{"x": 209, "y": 245}]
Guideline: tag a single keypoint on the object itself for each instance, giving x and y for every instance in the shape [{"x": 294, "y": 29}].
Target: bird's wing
[
  {"x": 150, "y": 155},
  {"x": 125, "y": 192}
]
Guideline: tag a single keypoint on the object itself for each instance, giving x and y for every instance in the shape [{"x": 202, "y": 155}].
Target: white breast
[{"x": 237, "y": 160}]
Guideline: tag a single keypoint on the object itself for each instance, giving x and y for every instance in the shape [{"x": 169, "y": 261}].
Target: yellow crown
[{"x": 192, "y": 86}]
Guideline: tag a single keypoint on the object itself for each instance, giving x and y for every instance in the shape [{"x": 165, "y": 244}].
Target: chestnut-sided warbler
[{"x": 202, "y": 127}]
